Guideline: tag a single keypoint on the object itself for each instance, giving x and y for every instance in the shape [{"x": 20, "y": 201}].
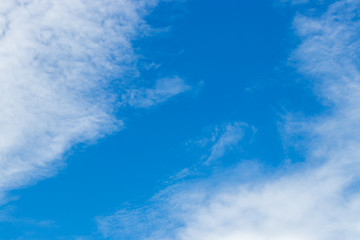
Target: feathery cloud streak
[
  {"x": 164, "y": 89},
  {"x": 318, "y": 201},
  {"x": 232, "y": 134}
]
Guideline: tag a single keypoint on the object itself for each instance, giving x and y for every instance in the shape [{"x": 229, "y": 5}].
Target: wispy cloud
[
  {"x": 318, "y": 199},
  {"x": 7, "y": 216},
  {"x": 294, "y": 2},
  {"x": 146, "y": 221},
  {"x": 58, "y": 60},
  {"x": 224, "y": 138},
  {"x": 164, "y": 89},
  {"x": 229, "y": 137}
]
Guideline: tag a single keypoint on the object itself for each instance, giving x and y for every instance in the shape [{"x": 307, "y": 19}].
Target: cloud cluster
[
  {"x": 58, "y": 62},
  {"x": 317, "y": 200}
]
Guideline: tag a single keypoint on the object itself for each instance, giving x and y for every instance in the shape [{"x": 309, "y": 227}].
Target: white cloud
[
  {"x": 229, "y": 138},
  {"x": 294, "y": 2},
  {"x": 224, "y": 138},
  {"x": 57, "y": 62},
  {"x": 316, "y": 200},
  {"x": 164, "y": 89}
]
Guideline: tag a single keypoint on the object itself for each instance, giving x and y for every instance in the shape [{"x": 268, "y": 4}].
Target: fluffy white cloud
[
  {"x": 58, "y": 60},
  {"x": 316, "y": 200}
]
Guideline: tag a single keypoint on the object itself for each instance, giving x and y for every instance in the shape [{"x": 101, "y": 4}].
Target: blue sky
[{"x": 183, "y": 120}]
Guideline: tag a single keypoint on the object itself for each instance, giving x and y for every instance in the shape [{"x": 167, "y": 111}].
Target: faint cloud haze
[
  {"x": 164, "y": 89},
  {"x": 230, "y": 137}
]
